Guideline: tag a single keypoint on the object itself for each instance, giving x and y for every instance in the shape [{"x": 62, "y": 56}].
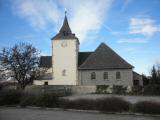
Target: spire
[{"x": 65, "y": 29}]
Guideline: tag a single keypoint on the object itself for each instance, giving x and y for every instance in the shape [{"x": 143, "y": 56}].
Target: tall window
[
  {"x": 118, "y": 75},
  {"x": 105, "y": 75},
  {"x": 93, "y": 75},
  {"x": 64, "y": 72}
]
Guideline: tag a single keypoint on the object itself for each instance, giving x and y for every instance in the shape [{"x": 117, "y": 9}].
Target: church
[{"x": 69, "y": 67}]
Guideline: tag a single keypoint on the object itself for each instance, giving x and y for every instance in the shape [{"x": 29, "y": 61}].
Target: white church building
[{"x": 69, "y": 66}]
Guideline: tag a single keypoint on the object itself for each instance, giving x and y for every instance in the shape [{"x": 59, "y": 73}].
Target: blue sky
[{"x": 130, "y": 27}]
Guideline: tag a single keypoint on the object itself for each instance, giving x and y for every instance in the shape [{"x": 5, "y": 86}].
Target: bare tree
[{"x": 22, "y": 59}]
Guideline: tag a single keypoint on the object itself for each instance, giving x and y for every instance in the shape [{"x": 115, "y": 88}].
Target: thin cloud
[
  {"x": 145, "y": 26},
  {"x": 133, "y": 40},
  {"x": 38, "y": 13},
  {"x": 126, "y": 3},
  {"x": 24, "y": 37},
  {"x": 85, "y": 17}
]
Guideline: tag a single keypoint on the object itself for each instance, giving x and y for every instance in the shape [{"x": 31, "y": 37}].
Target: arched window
[
  {"x": 64, "y": 72},
  {"x": 93, "y": 75},
  {"x": 118, "y": 75},
  {"x": 105, "y": 75}
]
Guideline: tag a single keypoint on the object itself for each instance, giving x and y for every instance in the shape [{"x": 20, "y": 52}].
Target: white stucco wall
[
  {"x": 65, "y": 58},
  {"x": 126, "y": 77}
]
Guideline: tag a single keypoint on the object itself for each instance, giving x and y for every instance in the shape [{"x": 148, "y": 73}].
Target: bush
[
  {"x": 28, "y": 100},
  {"x": 82, "y": 104},
  {"x": 137, "y": 90},
  {"x": 10, "y": 97},
  {"x": 113, "y": 104},
  {"x": 47, "y": 100},
  {"x": 102, "y": 88},
  {"x": 147, "y": 107},
  {"x": 152, "y": 90},
  {"x": 44, "y": 100},
  {"x": 106, "y": 105},
  {"x": 119, "y": 89}
]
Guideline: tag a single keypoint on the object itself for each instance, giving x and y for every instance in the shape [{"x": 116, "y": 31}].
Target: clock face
[{"x": 64, "y": 44}]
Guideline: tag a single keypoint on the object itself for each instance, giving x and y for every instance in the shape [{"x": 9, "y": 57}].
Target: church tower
[{"x": 65, "y": 48}]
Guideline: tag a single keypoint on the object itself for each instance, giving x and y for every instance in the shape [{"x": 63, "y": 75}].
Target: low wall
[{"x": 60, "y": 90}]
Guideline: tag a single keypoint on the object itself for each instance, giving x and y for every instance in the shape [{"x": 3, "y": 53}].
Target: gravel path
[
  {"x": 38, "y": 114},
  {"x": 132, "y": 99}
]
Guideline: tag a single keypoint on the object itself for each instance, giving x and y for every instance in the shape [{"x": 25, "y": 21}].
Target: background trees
[
  {"x": 22, "y": 60},
  {"x": 155, "y": 74}
]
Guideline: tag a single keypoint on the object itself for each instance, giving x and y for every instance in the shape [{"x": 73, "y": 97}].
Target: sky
[{"x": 130, "y": 27}]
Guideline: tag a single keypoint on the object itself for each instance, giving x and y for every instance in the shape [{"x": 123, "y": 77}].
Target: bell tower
[{"x": 65, "y": 48}]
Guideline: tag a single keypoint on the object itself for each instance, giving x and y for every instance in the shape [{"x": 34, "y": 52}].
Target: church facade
[{"x": 69, "y": 66}]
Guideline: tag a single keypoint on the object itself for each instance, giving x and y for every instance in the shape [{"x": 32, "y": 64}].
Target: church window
[
  {"x": 118, "y": 75},
  {"x": 105, "y": 75},
  {"x": 64, "y": 72},
  {"x": 93, "y": 75}
]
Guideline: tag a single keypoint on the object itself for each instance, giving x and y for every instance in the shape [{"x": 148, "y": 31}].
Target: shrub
[
  {"x": 119, "y": 89},
  {"x": 44, "y": 100},
  {"x": 47, "y": 100},
  {"x": 28, "y": 100},
  {"x": 83, "y": 104},
  {"x": 137, "y": 90},
  {"x": 102, "y": 88},
  {"x": 10, "y": 97},
  {"x": 113, "y": 104},
  {"x": 147, "y": 107},
  {"x": 152, "y": 90}
]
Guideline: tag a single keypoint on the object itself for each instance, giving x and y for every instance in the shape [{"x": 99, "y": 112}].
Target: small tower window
[
  {"x": 93, "y": 75},
  {"x": 118, "y": 75},
  {"x": 64, "y": 72},
  {"x": 105, "y": 75}
]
